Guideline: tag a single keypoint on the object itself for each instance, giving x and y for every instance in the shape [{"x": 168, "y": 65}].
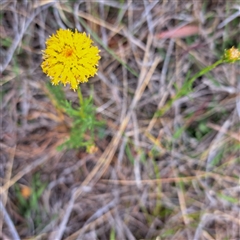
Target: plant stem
[
  {"x": 79, "y": 92},
  {"x": 188, "y": 85},
  {"x": 205, "y": 70}
]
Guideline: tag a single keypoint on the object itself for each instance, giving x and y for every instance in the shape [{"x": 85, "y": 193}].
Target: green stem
[
  {"x": 79, "y": 92},
  {"x": 188, "y": 85},
  {"x": 205, "y": 70}
]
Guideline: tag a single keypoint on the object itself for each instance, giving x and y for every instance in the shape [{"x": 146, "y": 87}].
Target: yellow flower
[
  {"x": 92, "y": 149},
  {"x": 232, "y": 55},
  {"x": 70, "y": 58}
]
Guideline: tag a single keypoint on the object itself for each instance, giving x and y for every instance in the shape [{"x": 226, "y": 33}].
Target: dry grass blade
[
  {"x": 155, "y": 181},
  {"x": 28, "y": 169},
  {"x": 93, "y": 19},
  {"x": 93, "y": 224},
  {"x": 220, "y": 129},
  {"x": 9, "y": 222},
  {"x": 4, "y": 195}
]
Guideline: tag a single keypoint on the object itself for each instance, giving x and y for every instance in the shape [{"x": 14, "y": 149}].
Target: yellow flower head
[
  {"x": 232, "y": 55},
  {"x": 92, "y": 149},
  {"x": 70, "y": 58}
]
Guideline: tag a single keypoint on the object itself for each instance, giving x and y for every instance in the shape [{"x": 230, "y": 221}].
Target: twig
[{"x": 65, "y": 219}]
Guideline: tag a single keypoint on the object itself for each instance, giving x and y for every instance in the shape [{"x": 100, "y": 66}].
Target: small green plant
[
  {"x": 71, "y": 58},
  {"x": 129, "y": 153},
  {"x": 228, "y": 198},
  {"x": 112, "y": 234},
  {"x": 28, "y": 199},
  {"x": 84, "y": 122},
  {"x": 168, "y": 233},
  {"x": 84, "y": 126}
]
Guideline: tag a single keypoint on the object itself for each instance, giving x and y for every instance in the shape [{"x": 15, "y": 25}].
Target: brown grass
[{"x": 170, "y": 177}]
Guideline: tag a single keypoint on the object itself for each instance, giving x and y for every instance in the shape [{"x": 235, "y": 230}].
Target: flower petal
[{"x": 70, "y": 57}]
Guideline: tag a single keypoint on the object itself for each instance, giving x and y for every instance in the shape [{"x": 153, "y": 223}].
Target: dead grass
[{"x": 172, "y": 176}]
